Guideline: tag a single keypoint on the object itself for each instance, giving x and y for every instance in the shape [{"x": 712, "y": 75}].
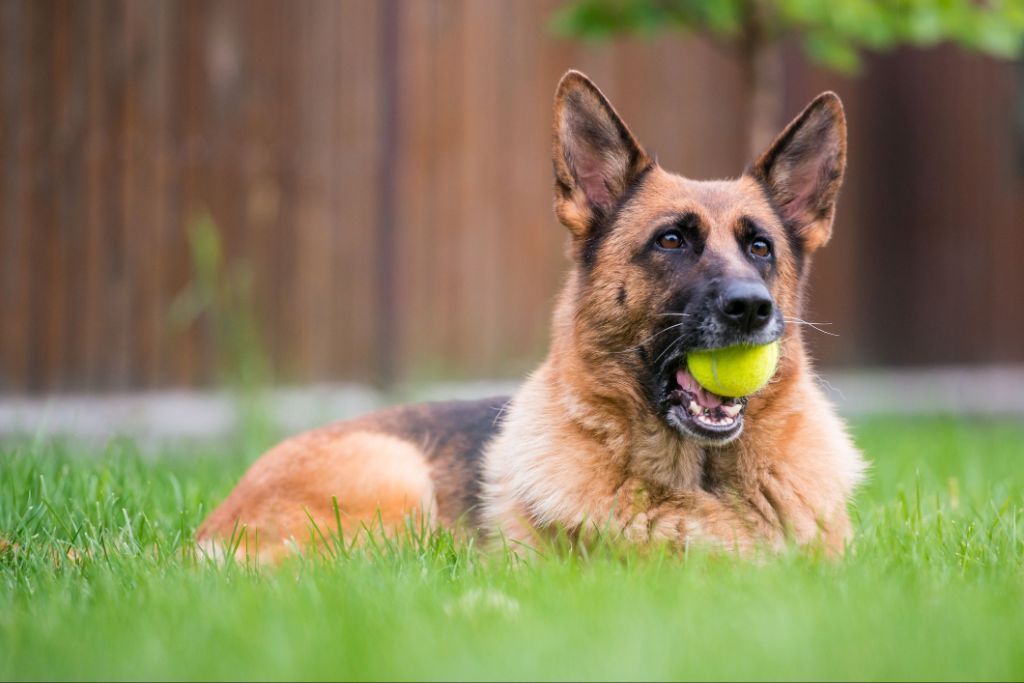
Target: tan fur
[
  {"x": 580, "y": 448},
  {"x": 377, "y": 479}
]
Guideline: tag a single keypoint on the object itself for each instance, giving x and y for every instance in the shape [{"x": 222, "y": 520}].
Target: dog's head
[{"x": 666, "y": 265}]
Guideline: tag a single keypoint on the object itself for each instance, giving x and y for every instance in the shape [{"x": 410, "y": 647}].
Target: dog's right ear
[{"x": 596, "y": 158}]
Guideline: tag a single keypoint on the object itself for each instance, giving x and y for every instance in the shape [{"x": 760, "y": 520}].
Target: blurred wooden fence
[{"x": 382, "y": 170}]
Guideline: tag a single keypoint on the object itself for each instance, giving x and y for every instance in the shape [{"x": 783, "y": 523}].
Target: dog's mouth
[{"x": 707, "y": 417}]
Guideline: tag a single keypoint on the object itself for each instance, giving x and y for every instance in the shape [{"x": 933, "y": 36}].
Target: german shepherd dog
[{"x": 611, "y": 434}]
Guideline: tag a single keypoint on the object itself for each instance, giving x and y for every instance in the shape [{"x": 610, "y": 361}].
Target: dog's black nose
[{"x": 746, "y": 304}]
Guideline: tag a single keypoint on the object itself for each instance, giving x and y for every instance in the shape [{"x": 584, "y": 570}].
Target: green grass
[{"x": 97, "y": 580}]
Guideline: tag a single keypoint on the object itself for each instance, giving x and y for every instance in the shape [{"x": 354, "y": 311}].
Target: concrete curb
[{"x": 186, "y": 415}]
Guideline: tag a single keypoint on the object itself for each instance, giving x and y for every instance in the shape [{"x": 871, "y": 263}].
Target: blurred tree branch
[{"x": 832, "y": 33}]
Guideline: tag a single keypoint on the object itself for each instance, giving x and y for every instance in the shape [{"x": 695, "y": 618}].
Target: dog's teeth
[
  {"x": 707, "y": 419},
  {"x": 694, "y": 408},
  {"x": 732, "y": 410}
]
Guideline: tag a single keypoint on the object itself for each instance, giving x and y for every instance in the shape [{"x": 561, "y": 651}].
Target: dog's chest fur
[{"x": 562, "y": 464}]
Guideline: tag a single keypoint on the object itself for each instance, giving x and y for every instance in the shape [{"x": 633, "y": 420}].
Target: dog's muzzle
[{"x": 700, "y": 414}]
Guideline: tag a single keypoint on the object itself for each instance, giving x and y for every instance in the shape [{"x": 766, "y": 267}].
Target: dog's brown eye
[
  {"x": 671, "y": 240},
  {"x": 760, "y": 248}
]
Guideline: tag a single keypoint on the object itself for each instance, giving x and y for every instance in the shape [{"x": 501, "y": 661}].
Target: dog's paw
[{"x": 638, "y": 529}]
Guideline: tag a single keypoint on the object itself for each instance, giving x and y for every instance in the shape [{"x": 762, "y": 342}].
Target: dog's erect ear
[
  {"x": 596, "y": 158},
  {"x": 803, "y": 169}
]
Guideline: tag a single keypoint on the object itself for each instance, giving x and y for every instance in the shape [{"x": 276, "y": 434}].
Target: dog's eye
[
  {"x": 760, "y": 248},
  {"x": 671, "y": 240}
]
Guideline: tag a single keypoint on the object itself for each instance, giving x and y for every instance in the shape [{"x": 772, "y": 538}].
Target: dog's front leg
[{"x": 699, "y": 518}]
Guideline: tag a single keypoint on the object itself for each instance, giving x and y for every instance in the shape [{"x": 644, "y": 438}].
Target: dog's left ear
[
  {"x": 596, "y": 158},
  {"x": 803, "y": 169}
]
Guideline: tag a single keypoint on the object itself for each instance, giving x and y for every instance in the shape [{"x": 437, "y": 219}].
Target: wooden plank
[
  {"x": 155, "y": 316},
  {"x": 16, "y": 159},
  {"x": 436, "y": 334},
  {"x": 258, "y": 174},
  {"x": 185, "y": 100},
  {"x": 316, "y": 74},
  {"x": 414, "y": 200},
  {"x": 283, "y": 243},
  {"x": 116, "y": 278},
  {"x": 523, "y": 186},
  {"x": 1003, "y": 83},
  {"x": 137, "y": 229},
  {"x": 385, "y": 229},
  {"x": 69, "y": 199},
  {"x": 480, "y": 255},
  {"x": 355, "y": 134},
  {"x": 174, "y": 270},
  {"x": 45, "y": 250},
  {"x": 96, "y": 176}
]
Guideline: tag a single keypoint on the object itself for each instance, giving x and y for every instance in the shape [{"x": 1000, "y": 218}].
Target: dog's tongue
[{"x": 704, "y": 397}]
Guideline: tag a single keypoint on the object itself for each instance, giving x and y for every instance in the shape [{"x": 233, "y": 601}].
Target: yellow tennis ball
[{"x": 734, "y": 371}]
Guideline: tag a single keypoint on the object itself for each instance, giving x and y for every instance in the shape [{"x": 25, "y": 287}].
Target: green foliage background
[{"x": 833, "y": 33}]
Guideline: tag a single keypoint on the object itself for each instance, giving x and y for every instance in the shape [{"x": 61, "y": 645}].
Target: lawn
[{"x": 98, "y": 580}]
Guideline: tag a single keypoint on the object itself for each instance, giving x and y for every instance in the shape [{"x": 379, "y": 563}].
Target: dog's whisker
[
  {"x": 658, "y": 334},
  {"x": 674, "y": 345},
  {"x": 814, "y": 326},
  {"x": 801, "y": 320},
  {"x": 500, "y": 412},
  {"x": 654, "y": 336}
]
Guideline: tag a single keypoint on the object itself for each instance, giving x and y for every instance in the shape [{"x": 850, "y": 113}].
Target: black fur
[
  {"x": 454, "y": 435},
  {"x": 601, "y": 223}
]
